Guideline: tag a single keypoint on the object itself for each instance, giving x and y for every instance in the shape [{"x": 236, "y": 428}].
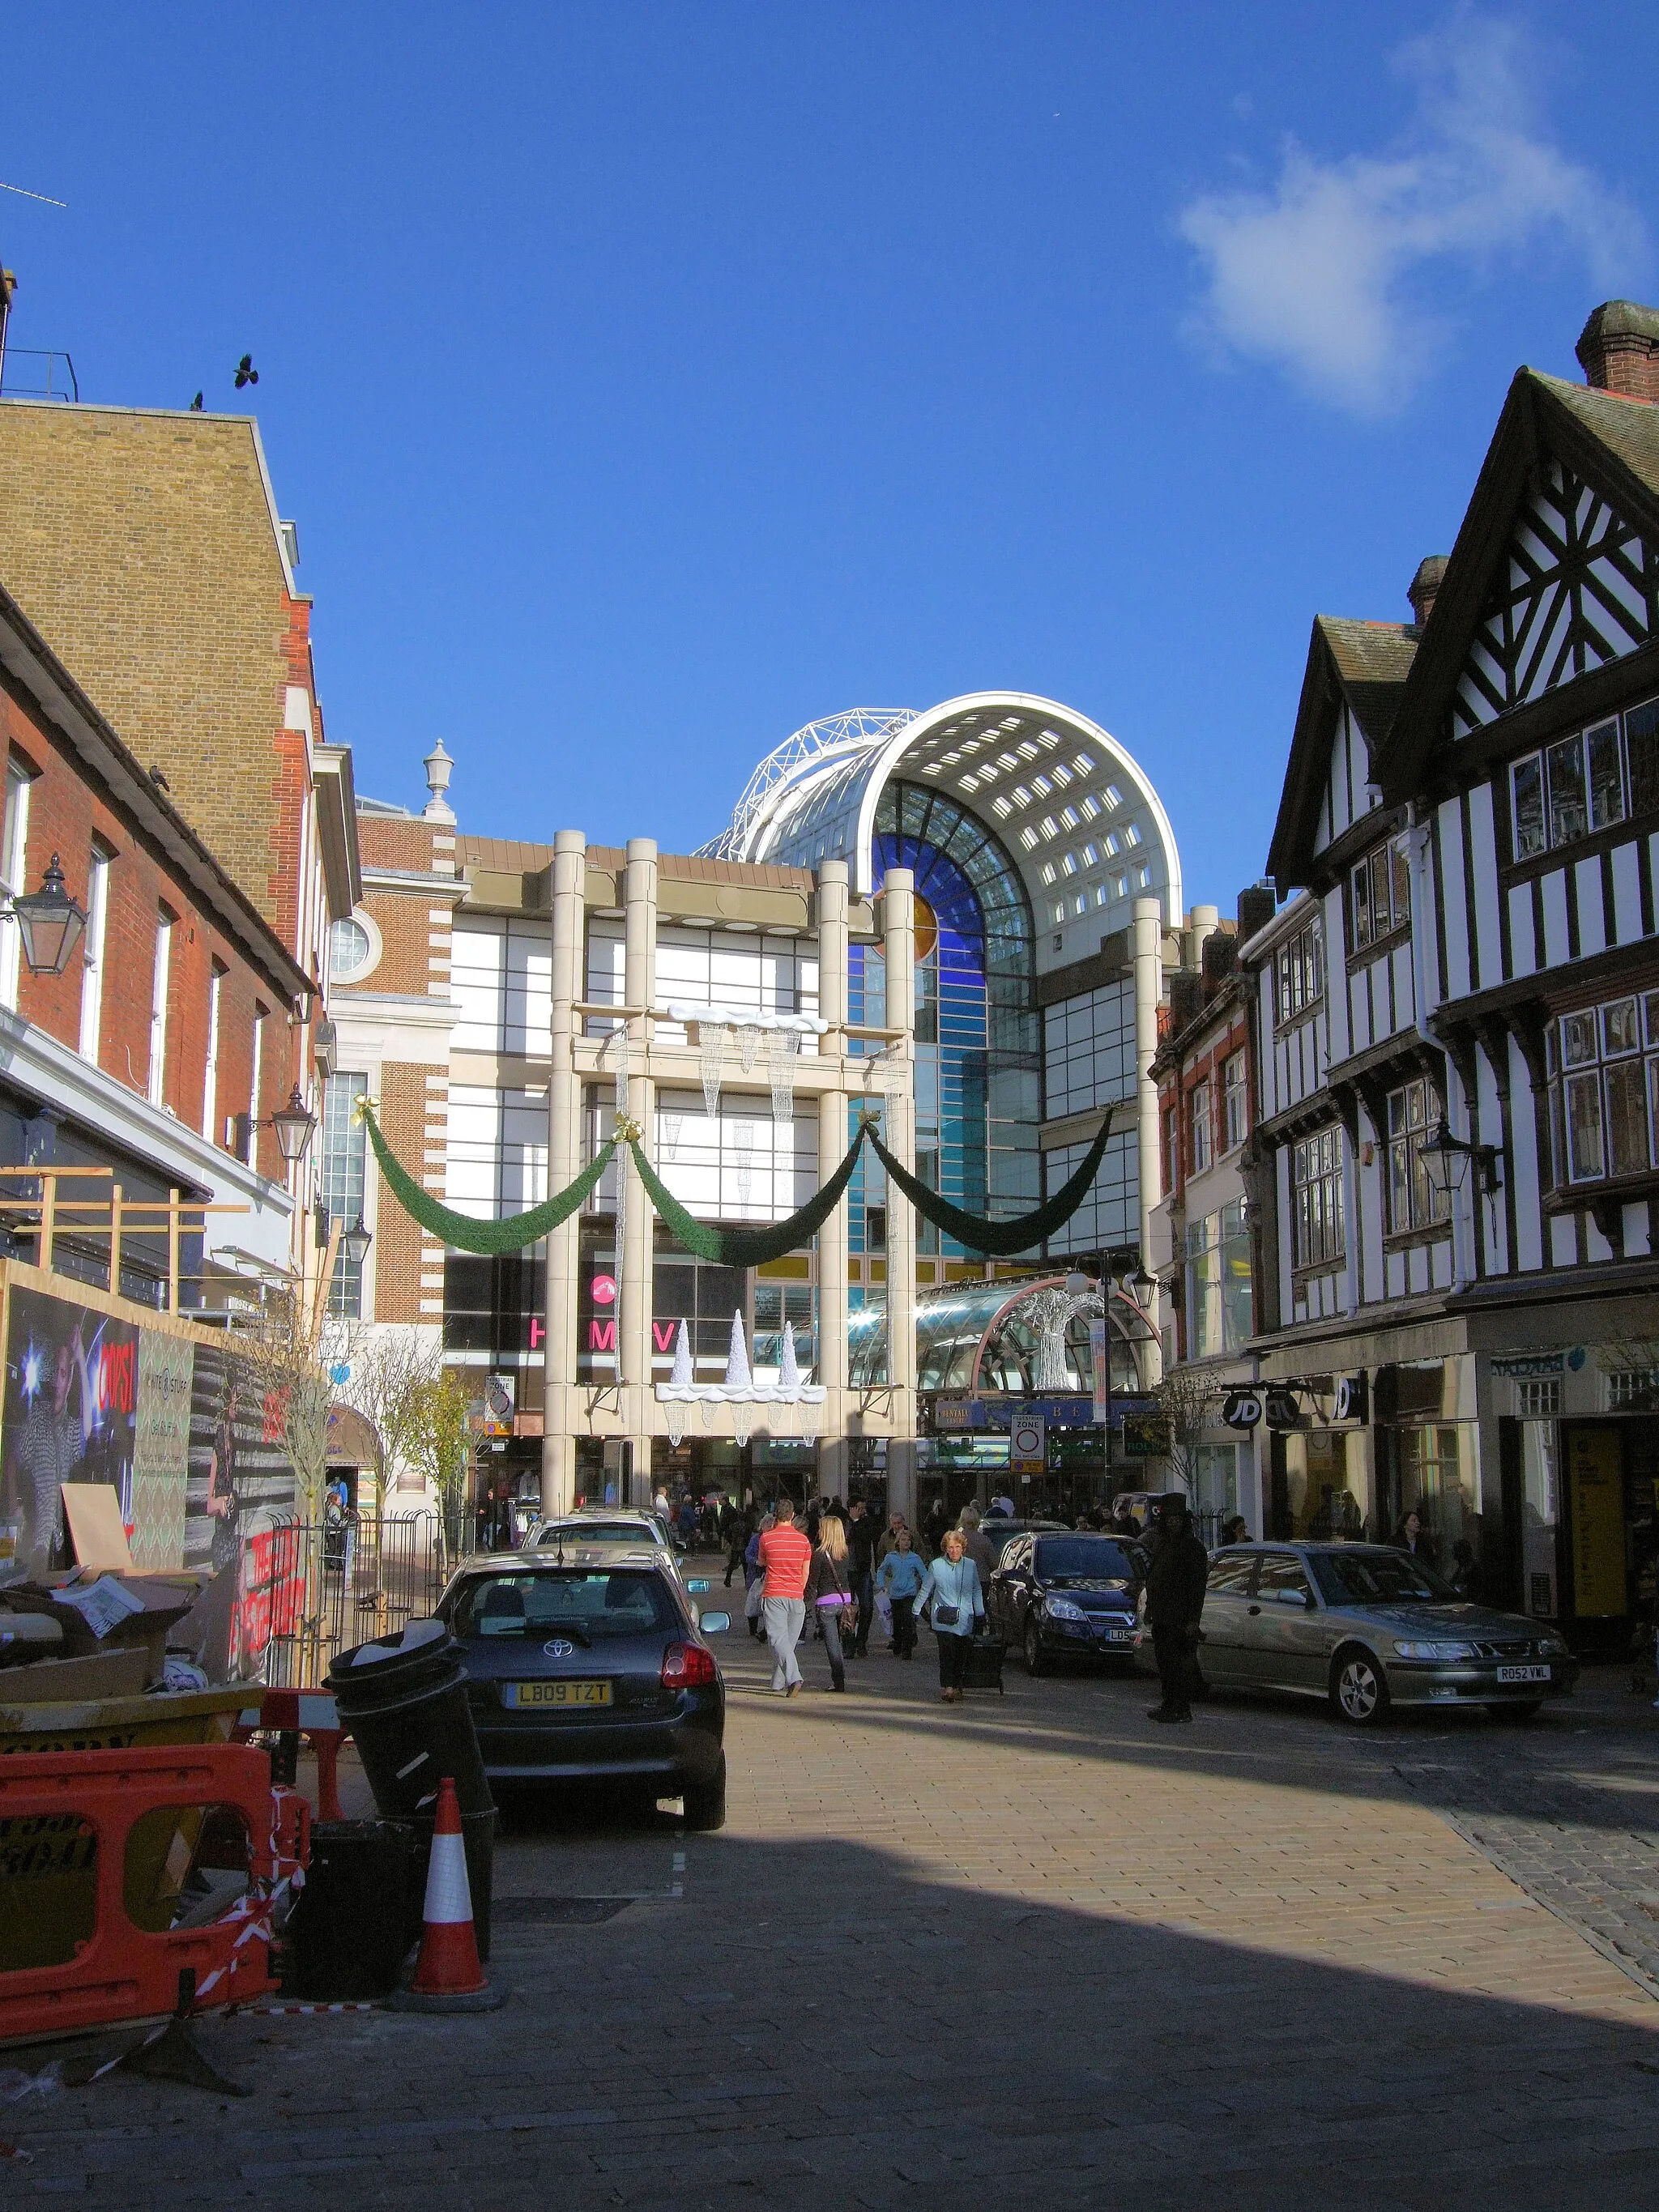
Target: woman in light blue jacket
[{"x": 952, "y": 1583}]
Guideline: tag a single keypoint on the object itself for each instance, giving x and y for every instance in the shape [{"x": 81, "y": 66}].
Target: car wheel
[
  {"x": 705, "y": 1801},
  {"x": 1035, "y": 1663},
  {"x": 1522, "y": 1708},
  {"x": 1359, "y": 1689}
]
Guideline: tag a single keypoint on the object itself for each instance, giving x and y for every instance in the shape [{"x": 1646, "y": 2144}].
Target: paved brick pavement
[{"x": 1031, "y": 1951}]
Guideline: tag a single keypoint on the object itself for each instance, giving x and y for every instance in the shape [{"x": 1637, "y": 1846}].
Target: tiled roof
[
  {"x": 1628, "y": 428},
  {"x": 1372, "y": 661}
]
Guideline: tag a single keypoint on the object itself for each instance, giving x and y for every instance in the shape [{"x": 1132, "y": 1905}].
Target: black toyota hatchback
[
  {"x": 1068, "y": 1596},
  {"x": 595, "y": 1674}
]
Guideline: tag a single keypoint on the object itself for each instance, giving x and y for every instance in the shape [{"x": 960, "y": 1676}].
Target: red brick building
[{"x": 181, "y": 1020}]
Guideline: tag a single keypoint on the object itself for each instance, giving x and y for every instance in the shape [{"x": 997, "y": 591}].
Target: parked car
[
  {"x": 1069, "y": 1594},
  {"x": 1001, "y": 1532},
  {"x": 593, "y": 1673},
  {"x": 1369, "y": 1628}
]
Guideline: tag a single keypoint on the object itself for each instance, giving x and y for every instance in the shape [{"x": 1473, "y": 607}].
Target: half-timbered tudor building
[
  {"x": 1201, "y": 1233},
  {"x": 1458, "y": 1165}
]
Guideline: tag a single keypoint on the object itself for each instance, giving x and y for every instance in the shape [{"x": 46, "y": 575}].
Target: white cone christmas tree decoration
[
  {"x": 789, "y": 1365},
  {"x": 679, "y": 1380},
  {"x": 738, "y": 1376}
]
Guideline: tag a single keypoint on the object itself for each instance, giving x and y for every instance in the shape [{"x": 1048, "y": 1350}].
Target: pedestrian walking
[
  {"x": 977, "y": 1545},
  {"x": 1175, "y": 1604},
  {"x": 862, "y": 1530},
  {"x": 754, "y": 1581},
  {"x": 952, "y": 1585},
  {"x": 829, "y": 1594},
  {"x": 785, "y": 1557},
  {"x": 900, "y": 1575}
]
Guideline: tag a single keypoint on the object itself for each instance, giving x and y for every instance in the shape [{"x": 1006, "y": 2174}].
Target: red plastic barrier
[
  {"x": 312, "y": 1714},
  {"x": 65, "y": 1821}
]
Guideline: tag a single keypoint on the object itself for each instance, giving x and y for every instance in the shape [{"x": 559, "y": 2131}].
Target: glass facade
[{"x": 978, "y": 1074}]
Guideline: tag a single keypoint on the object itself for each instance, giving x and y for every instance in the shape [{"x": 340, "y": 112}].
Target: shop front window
[
  {"x": 1321, "y": 1490},
  {"x": 1437, "y": 1483},
  {"x": 1215, "y": 1488}
]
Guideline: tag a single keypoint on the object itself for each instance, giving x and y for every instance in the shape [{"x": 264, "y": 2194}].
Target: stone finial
[{"x": 438, "y": 767}]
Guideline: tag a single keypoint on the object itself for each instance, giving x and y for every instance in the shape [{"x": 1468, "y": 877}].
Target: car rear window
[
  {"x": 599, "y": 1532},
  {"x": 597, "y": 1603},
  {"x": 1088, "y": 1558},
  {"x": 1356, "y": 1578}
]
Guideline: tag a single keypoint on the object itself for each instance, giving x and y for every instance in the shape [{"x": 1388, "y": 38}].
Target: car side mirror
[
  {"x": 1310, "y": 1603},
  {"x": 714, "y": 1623}
]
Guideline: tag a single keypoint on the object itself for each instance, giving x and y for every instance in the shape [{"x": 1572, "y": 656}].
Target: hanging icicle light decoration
[
  {"x": 782, "y": 1051},
  {"x": 670, "y": 1124},
  {"x": 749, "y": 1037},
  {"x": 711, "y": 1063},
  {"x": 742, "y": 1137}
]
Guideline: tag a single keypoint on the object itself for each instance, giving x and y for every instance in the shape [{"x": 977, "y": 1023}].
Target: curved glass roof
[
  {"x": 1078, "y": 817},
  {"x": 973, "y": 1336}
]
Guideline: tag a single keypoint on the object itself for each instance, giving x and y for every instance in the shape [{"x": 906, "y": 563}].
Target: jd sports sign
[
  {"x": 1242, "y": 1409},
  {"x": 1351, "y": 1404},
  {"x": 1282, "y": 1409}
]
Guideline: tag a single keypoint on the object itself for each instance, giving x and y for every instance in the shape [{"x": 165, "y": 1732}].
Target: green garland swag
[
  {"x": 735, "y": 1248},
  {"x": 1001, "y": 1239},
  {"x": 460, "y": 1229},
  {"x": 747, "y": 1248}
]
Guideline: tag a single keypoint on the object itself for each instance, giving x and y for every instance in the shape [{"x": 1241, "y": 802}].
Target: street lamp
[
  {"x": 1446, "y": 1161},
  {"x": 48, "y": 923},
  {"x": 355, "y": 1243},
  {"x": 294, "y": 1125}
]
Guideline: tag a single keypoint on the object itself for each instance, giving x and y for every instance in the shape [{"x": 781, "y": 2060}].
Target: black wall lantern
[{"x": 49, "y": 924}]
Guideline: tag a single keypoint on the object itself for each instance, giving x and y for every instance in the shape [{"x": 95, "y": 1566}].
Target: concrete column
[
  {"x": 899, "y": 941},
  {"x": 832, "y": 899},
  {"x": 639, "y": 989},
  {"x": 1146, "y": 938},
  {"x": 563, "y": 1163}
]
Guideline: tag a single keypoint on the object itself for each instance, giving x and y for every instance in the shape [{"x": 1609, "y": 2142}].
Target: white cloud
[{"x": 1315, "y": 274}]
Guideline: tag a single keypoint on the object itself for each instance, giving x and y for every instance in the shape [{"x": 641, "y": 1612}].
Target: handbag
[
  {"x": 946, "y": 1616},
  {"x": 756, "y": 1599}
]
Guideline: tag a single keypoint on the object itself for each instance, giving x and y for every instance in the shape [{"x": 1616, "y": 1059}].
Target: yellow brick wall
[
  {"x": 406, "y": 1117},
  {"x": 141, "y": 547}
]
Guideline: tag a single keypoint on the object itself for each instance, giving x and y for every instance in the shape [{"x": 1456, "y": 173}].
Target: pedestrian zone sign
[{"x": 1028, "y": 1444}]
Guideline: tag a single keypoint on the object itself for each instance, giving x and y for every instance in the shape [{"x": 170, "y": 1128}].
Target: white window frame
[
  {"x": 1201, "y": 1120},
  {"x": 97, "y": 929},
  {"x": 210, "y": 1073},
  {"x": 256, "y": 1074},
  {"x": 160, "y": 980},
  {"x": 14, "y": 858},
  {"x": 1235, "y": 1102}
]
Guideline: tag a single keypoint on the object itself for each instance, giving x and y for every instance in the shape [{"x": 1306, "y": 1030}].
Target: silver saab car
[{"x": 1369, "y": 1627}]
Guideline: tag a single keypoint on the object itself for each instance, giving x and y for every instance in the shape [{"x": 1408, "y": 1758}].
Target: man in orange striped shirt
[{"x": 785, "y": 1557}]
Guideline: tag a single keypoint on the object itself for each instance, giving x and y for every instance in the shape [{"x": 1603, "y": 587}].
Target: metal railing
[
  {"x": 47, "y": 382},
  {"x": 337, "y": 1583}
]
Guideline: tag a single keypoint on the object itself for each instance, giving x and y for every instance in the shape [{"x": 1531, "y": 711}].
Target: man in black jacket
[{"x": 1174, "y": 1602}]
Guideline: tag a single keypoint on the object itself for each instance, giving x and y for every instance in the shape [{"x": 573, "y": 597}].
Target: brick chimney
[
  {"x": 1618, "y": 349},
  {"x": 1256, "y": 907},
  {"x": 1424, "y": 586}
]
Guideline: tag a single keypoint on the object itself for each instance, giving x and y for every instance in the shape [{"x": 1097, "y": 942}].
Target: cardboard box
[
  {"x": 162, "y": 1601},
  {"x": 72, "y": 1681}
]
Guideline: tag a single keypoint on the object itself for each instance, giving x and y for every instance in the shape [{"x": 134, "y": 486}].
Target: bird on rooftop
[
  {"x": 159, "y": 780},
  {"x": 196, "y": 404},
  {"x": 246, "y": 372}
]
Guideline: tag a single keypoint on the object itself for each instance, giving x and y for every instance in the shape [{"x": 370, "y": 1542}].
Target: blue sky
[{"x": 649, "y": 380}]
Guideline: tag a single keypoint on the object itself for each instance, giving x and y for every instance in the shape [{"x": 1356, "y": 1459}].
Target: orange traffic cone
[{"x": 447, "y": 1975}]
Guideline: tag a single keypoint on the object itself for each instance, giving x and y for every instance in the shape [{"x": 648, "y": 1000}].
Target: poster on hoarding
[
  {"x": 238, "y": 1502},
  {"x": 192, "y": 1446},
  {"x": 68, "y": 1415}
]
